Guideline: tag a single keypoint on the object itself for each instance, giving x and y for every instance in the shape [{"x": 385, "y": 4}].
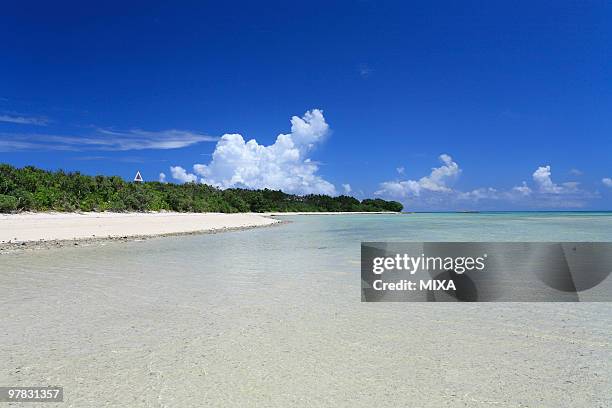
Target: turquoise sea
[
  {"x": 491, "y": 226},
  {"x": 273, "y": 317}
]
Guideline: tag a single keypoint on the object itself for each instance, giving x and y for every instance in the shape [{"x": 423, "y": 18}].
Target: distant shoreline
[
  {"x": 509, "y": 212},
  {"x": 280, "y": 214},
  {"x": 57, "y": 229}
]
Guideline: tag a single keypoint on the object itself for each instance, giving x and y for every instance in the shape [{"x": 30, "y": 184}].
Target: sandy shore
[
  {"x": 43, "y": 230},
  {"x": 46, "y": 227}
]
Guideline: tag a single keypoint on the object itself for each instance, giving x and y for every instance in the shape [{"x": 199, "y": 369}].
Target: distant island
[{"x": 34, "y": 189}]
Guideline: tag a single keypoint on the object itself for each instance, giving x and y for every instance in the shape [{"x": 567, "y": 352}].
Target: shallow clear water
[
  {"x": 520, "y": 226},
  {"x": 272, "y": 317}
]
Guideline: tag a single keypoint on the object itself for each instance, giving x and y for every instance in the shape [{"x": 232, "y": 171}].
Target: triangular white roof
[{"x": 138, "y": 177}]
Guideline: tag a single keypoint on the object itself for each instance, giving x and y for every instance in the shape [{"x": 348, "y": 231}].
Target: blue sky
[{"x": 487, "y": 94}]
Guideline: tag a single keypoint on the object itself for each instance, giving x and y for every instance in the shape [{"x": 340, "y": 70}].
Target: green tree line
[{"x": 33, "y": 189}]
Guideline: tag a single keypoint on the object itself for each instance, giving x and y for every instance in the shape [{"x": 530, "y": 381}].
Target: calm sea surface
[{"x": 273, "y": 317}]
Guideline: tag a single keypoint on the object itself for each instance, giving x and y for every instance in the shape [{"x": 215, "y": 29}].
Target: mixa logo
[{"x": 433, "y": 284}]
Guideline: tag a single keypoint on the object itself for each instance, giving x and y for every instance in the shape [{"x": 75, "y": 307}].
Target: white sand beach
[{"x": 31, "y": 227}]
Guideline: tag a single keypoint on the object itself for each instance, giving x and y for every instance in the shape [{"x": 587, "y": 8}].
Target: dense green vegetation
[{"x": 32, "y": 189}]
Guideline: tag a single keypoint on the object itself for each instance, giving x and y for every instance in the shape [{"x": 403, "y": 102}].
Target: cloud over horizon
[
  {"x": 284, "y": 165},
  {"x": 436, "y": 181},
  {"x": 435, "y": 190},
  {"x": 542, "y": 178}
]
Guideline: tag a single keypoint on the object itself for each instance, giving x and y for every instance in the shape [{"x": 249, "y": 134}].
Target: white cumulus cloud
[
  {"x": 162, "y": 177},
  {"x": 523, "y": 189},
  {"x": 435, "y": 192},
  {"x": 181, "y": 175},
  {"x": 436, "y": 181},
  {"x": 542, "y": 178},
  {"x": 607, "y": 181},
  {"x": 283, "y": 165},
  {"x": 479, "y": 194},
  {"x": 347, "y": 188}
]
